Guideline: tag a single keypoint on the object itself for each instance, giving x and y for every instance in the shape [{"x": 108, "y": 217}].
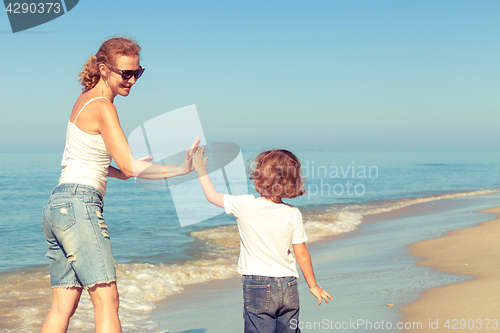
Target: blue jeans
[
  {"x": 270, "y": 303},
  {"x": 77, "y": 236}
]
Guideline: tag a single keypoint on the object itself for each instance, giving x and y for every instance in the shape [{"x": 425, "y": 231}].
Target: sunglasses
[{"x": 127, "y": 74}]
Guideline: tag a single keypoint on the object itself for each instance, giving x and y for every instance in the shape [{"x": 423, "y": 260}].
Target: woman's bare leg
[
  {"x": 105, "y": 299},
  {"x": 64, "y": 304}
]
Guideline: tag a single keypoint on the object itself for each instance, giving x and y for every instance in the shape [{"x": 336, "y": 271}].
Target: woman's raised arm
[{"x": 117, "y": 145}]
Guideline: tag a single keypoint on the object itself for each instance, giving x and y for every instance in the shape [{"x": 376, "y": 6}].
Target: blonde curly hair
[{"x": 277, "y": 174}]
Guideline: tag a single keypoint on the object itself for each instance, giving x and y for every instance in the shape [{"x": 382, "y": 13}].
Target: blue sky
[{"x": 335, "y": 75}]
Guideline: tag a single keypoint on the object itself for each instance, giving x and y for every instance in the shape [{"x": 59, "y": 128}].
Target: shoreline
[
  {"x": 466, "y": 305},
  {"x": 218, "y": 302},
  {"x": 364, "y": 270}
]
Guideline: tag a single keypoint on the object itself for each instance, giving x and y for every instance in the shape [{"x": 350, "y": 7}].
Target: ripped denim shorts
[{"x": 79, "y": 246}]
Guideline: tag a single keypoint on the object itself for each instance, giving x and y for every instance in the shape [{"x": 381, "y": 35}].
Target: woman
[{"x": 79, "y": 245}]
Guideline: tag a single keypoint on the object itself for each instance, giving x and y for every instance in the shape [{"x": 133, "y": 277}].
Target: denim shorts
[
  {"x": 271, "y": 304},
  {"x": 79, "y": 246}
]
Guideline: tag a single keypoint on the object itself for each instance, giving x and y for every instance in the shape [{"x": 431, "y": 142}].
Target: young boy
[{"x": 268, "y": 227}]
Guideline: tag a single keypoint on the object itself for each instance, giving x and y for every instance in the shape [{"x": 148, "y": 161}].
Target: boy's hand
[
  {"x": 200, "y": 163},
  {"x": 320, "y": 294}
]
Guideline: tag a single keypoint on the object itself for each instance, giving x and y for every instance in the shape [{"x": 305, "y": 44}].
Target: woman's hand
[
  {"x": 187, "y": 166},
  {"x": 196, "y": 143},
  {"x": 200, "y": 163}
]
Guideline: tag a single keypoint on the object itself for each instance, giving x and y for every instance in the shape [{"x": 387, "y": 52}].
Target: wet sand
[{"x": 471, "y": 305}]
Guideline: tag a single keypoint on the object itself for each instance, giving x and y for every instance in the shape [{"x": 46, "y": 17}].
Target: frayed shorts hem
[
  {"x": 86, "y": 287},
  {"x": 67, "y": 286}
]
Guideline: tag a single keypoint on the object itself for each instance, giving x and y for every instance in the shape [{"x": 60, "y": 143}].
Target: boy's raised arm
[
  {"x": 199, "y": 164},
  {"x": 304, "y": 260}
]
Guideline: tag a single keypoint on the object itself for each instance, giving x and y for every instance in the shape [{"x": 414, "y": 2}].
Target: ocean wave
[
  {"x": 329, "y": 220},
  {"x": 25, "y": 296},
  {"x": 331, "y": 223}
]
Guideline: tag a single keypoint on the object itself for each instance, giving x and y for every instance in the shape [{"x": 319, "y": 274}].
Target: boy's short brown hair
[{"x": 277, "y": 173}]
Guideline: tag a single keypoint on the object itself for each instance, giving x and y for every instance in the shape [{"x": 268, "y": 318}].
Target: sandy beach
[
  {"x": 373, "y": 276},
  {"x": 471, "y": 305}
]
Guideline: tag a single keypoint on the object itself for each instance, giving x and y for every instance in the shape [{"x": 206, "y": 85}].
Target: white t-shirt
[{"x": 267, "y": 230}]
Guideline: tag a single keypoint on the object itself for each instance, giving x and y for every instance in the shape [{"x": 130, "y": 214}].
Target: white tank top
[{"x": 86, "y": 158}]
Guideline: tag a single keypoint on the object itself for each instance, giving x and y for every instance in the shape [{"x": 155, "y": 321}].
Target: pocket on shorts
[
  {"x": 257, "y": 297},
  {"x": 294, "y": 293},
  {"x": 62, "y": 216}
]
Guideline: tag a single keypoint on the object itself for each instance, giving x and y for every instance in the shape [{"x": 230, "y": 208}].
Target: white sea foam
[
  {"x": 382, "y": 207},
  {"x": 140, "y": 285},
  {"x": 339, "y": 223},
  {"x": 226, "y": 236}
]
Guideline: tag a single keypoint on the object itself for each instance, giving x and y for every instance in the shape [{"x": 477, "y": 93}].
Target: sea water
[{"x": 156, "y": 257}]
